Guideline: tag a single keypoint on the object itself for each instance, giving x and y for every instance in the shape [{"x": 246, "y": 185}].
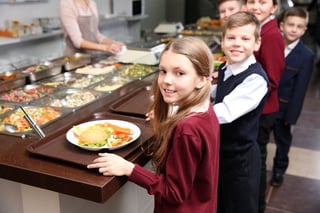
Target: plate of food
[{"x": 103, "y": 134}]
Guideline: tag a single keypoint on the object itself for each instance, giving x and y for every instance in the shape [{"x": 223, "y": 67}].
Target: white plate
[{"x": 134, "y": 128}]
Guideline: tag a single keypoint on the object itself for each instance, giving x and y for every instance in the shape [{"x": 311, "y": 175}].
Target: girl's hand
[
  {"x": 111, "y": 164},
  {"x": 149, "y": 116}
]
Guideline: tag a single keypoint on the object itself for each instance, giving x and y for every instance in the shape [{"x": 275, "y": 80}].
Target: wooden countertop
[{"x": 18, "y": 164}]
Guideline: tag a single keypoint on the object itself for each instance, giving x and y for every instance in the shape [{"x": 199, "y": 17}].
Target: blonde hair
[
  {"x": 240, "y": 19},
  {"x": 201, "y": 58}
]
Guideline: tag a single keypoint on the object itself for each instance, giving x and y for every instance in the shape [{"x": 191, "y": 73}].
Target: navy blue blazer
[{"x": 294, "y": 82}]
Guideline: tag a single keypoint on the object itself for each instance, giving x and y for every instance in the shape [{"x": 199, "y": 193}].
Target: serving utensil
[{"x": 32, "y": 123}]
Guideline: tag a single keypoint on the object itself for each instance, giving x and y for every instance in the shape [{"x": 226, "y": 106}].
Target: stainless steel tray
[
  {"x": 41, "y": 71},
  {"x": 16, "y": 118},
  {"x": 6, "y": 108},
  {"x": 110, "y": 84},
  {"x": 26, "y": 94},
  {"x": 62, "y": 80},
  {"x": 69, "y": 99},
  {"x": 73, "y": 62},
  {"x": 11, "y": 80}
]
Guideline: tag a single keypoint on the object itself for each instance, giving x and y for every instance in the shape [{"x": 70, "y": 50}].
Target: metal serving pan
[
  {"x": 6, "y": 107},
  {"x": 26, "y": 94},
  {"x": 72, "y": 62},
  {"x": 41, "y": 71},
  {"x": 69, "y": 99},
  {"x": 42, "y": 115},
  {"x": 10, "y": 80},
  {"x": 62, "y": 80},
  {"x": 110, "y": 84}
]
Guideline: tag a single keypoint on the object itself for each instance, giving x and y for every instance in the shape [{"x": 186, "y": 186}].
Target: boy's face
[
  {"x": 293, "y": 27},
  {"x": 228, "y": 8},
  {"x": 239, "y": 43},
  {"x": 262, "y": 9}
]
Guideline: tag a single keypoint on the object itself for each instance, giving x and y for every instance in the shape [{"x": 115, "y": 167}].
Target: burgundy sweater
[
  {"x": 271, "y": 57},
  {"x": 190, "y": 180}
]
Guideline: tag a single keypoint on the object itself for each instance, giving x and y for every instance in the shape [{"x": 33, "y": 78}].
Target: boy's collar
[{"x": 241, "y": 66}]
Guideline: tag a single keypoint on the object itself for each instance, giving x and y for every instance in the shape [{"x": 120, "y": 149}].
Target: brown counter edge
[{"x": 70, "y": 187}]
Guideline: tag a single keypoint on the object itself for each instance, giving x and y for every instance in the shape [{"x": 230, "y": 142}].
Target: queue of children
[{"x": 189, "y": 174}]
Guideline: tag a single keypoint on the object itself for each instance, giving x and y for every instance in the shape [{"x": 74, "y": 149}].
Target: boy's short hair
[
  {"x": 240, "y": 19},
  {"x": 222, "y": 1},
  {"x": 296, "y": 11}
]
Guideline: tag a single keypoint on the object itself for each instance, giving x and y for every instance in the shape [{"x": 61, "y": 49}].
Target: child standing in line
[
  {"x": 238, "y": 102},
  {"x": 186, "y": 145},
  {"x": 228, "y": 7},
  {"x": 292, "y": 87},
  {"x": 271, "y": 57}
]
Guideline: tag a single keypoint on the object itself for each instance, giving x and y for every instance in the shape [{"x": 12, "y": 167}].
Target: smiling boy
[
  {"x": 292, "y": 87},
  {"x": 238, "y": 102}
]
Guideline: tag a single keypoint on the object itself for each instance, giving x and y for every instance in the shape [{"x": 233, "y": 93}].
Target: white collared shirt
[
  {"x": 290, "y": 47},
  {"x": 244, "y": 98}
]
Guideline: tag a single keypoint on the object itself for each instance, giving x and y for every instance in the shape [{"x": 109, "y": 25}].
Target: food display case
[{"x": 80, "y": 98}]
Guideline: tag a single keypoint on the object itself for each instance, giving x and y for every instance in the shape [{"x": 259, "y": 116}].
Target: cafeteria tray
[
  {"x": 135, "y": 103},
  {"x": 57, "y": 147}
]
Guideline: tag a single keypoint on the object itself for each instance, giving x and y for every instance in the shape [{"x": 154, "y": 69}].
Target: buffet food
[
  {"x": 26, "y": 94},
  {"x": 135, "y": 70},
  {"x": 40, "y": 71},
  {"x": 70, "y": 98},
  {"x": 41, "y": 115},
  {"x": 86, "y": 81},
  {"x": 4, "y": 108},
  {"x": 11, "y": 80},
  {"x": 96, "y": 69}
]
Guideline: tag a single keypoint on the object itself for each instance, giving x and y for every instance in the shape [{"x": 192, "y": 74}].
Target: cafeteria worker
[{"x": 79, "y": 21}]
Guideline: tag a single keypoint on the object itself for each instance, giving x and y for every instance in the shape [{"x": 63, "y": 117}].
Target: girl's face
[
  {"x": 262, "y": 9},
  {"x": 239, "y": 43},
  {"x": 228, "y": 8},
  {"x": 293, "y": 28},
  {"x": 177, "y": 77}
]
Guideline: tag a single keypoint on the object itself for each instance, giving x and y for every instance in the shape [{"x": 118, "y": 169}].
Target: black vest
[{"x": 242, "y": 133}]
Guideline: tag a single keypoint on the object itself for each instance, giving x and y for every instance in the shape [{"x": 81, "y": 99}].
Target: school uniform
[
  {"x": 292, "y": 89},
  {"x": 239, "y": 172},
  {"x": 271, "y": 57}
]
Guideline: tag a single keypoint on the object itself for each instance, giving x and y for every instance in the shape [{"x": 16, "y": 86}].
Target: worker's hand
[{"x": 114, "y": 47}]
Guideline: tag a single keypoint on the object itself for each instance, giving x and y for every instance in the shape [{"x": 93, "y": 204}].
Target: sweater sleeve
[{"x": 175, "y": 185}]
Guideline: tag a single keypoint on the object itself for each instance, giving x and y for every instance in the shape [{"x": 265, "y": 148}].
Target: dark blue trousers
[{"x": 283, "y": 139}]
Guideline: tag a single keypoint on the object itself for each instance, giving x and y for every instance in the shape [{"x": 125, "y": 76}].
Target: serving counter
[{"x": 53, "y": 164}]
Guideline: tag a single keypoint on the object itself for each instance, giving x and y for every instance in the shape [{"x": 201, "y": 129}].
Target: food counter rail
[{"x": 57, "y": 174}]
